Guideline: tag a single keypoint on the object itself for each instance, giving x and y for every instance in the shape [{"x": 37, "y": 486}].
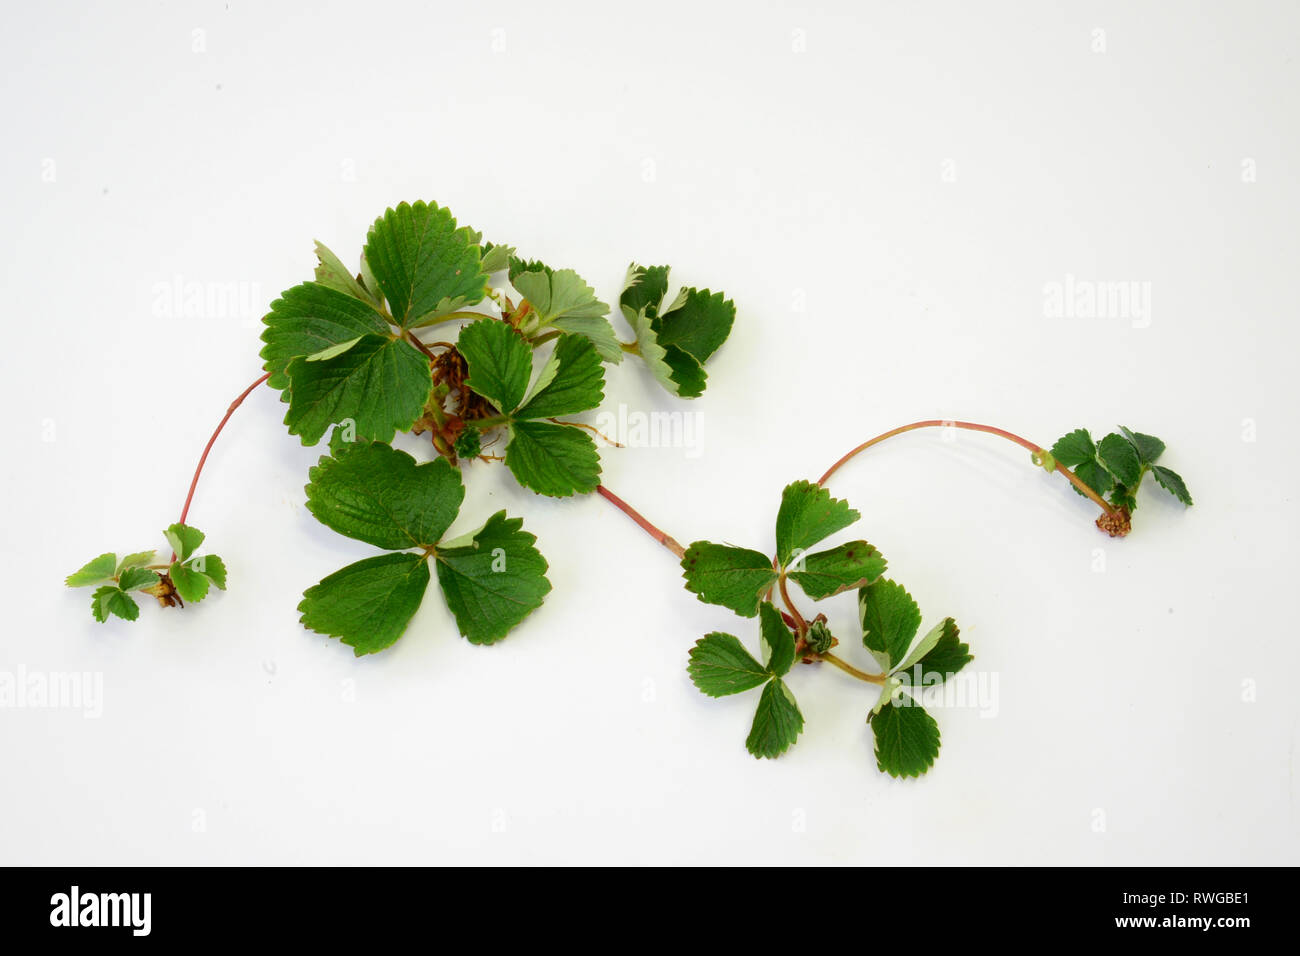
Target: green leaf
[
  {"x": 370, "y": 283},
  {"x": 819, "y": 637},
  {"x": 1120, "y": 459},
  {"x": 575, "y": 383},
  {"x": 191, "y": 585},
  {"x": 940, "y": 652},
  {"x": 1075, "y": 448},
  {"x": 827, "y": 573},
  {"x": 1096, "y": 477},
  {"x": 687, "y": 374},
  {"x": 643, "y": 290},
  {"x": 598, "y": 331},
  {"x": 380, "y": 383},
  {"x": 136, "y": 560},
  {"x": 1169, "y": 480},
  {"x": 311, "y": 317},
  {"x": 891, "y": 689},
  {"x": 96, "y": 571},
  {"x": 1148, "y": 447},
  {"x": 559, "y": 294},
  {"x": 333, "y": 350},
  {"x": 211, "y": 567},
  {"x": 890, "y": 620},
  {"x": 699, "y": 322},
  {"x": 554, "y": 460},
  {"x": 332, "y": 273},
  {"x": 184, "y": 539},
  {"x": 495, "y": 257},
  {"x": 136, "y": 579},
  {"x": 1122, "y": 497},
  {"x": 495, "y": 581},
  {"x": 424, "y": 264},
  {"x": 778, "y": 640},
  {"x": 777, "y": 722},
  {"x": 651, "y": 352},
  {"x": 518, "y": 266},
  {"x": 469, "y": 443},
  {"x": 380, "y": 495},
  {"x": 735, "y": 578},
  {"x": 808, "y": 514},
  {"x": 500, "y": 362},
  {"x": 368, "y": 604},
  {"x": 720, "y": 665},
  {"x": 907, "y": 738},
  {"x": 110, "y": 599}
]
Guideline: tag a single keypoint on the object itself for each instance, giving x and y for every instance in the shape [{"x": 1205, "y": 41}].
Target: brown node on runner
[
  {"x": 1116, "y": 523},
  {"x": 165, "y": 592}
]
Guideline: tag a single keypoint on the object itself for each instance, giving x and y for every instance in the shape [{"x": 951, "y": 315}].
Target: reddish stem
[
  {"x": 971, "y": 426},
  {"x": 663, "y": 538},
  {"x": 185, "y": 511}
]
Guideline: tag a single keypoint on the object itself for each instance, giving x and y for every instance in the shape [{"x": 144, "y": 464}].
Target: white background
[{"x": 886, "y": 191}]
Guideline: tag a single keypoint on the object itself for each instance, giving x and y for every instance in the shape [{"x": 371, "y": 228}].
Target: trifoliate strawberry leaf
[
  {"x": 379, "y": 383},
  {"x": 137, "y": 560},
  {"x": 424, "y": 264},
  {"x": 598, "y": 331},
  {"x": 778, "y": 640},
  {"x": 1075, "y": 448},
  {"x": 1169, "y": 480},
  {"x": 1148, "y": 447},
  {"x": 777, "y": 722},
  {"x": 558, "y": 294},
  {"x": 96, "y": 571},
  {"x": 827, "y": 573},
  {"x": 331, "y": 272},
  {"x": 907, "y": 738},
  {"x": 137, "y": 579},
  {"x": 111, "y": 599},
  {"x": 553, "y": 460},
  {"x": 184, "y": 539},
  {"x": 500, "y": 362},
  {"x": 643, "y": 290},
  {"x": 890, "y": 620},
  {"x": 735, "y": 578},
  {"x": 368, "y": 604},
  {"x": 808, "y": 514},
  {"x": 699, "y": 322},
  {"x": 720, "y": 665},
  {"x": 936, "y": 657},
  {"x": 495, "y": 257},
  {"x": 380, "y": 495},
  {"x": 311, "y": 317},
  {"x": 1120, "y": 459},
  {"x": 191, "y": 585},
  {"x": 573, "y": 378},
  {"x": 494, "y": 581}
]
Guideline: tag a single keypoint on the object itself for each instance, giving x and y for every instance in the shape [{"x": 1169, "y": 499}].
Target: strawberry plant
[{"x": 359, "y": 356}]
